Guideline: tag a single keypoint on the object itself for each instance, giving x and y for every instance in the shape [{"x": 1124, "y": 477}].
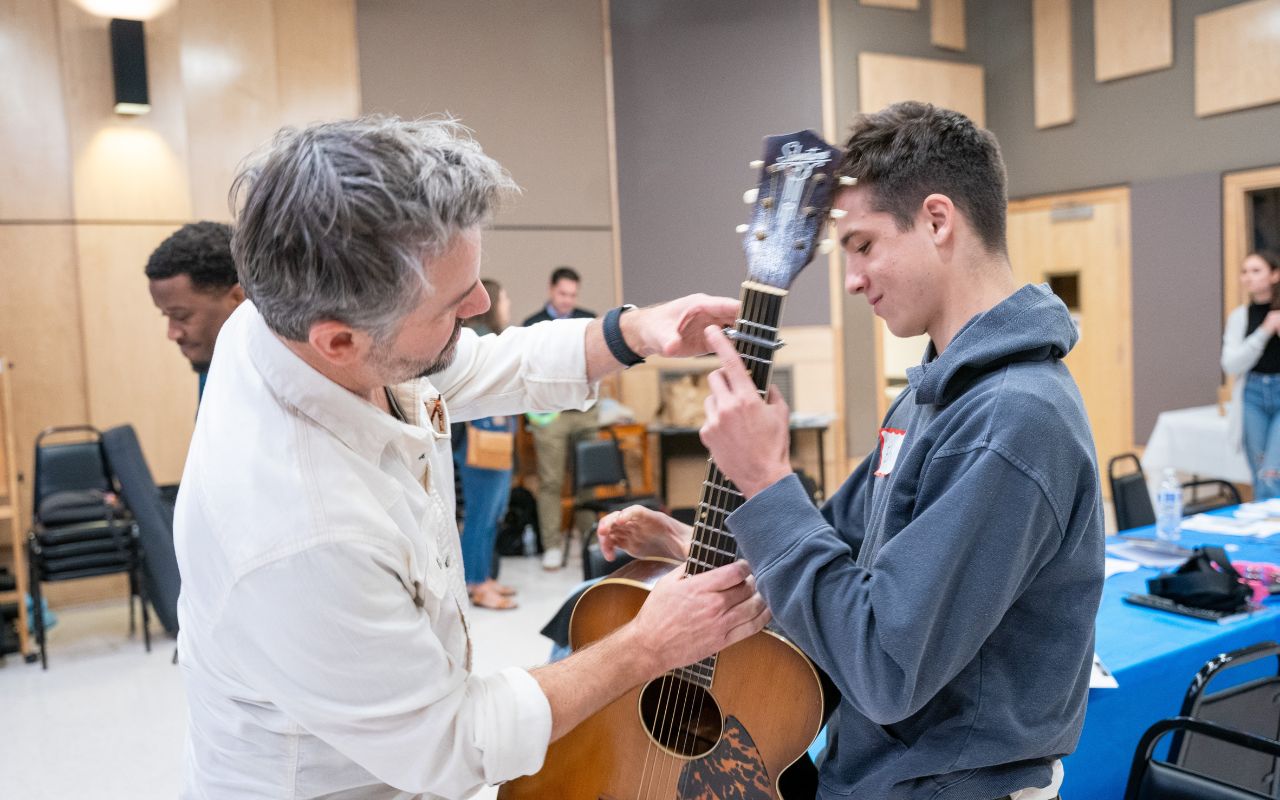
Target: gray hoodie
[{"x": 951, "y": 600}]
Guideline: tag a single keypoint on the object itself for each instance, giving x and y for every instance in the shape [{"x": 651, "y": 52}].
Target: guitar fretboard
[{"x": 713, "y": 546}]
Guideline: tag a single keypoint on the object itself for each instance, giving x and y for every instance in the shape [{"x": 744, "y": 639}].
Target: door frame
[{"x": 1237, "y": 223}]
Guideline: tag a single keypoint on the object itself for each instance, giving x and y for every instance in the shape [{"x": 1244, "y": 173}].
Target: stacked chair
[
  {"x": 1133, "y": 502},
  {"x": 1224, "y": 744},
  {"x": 80, "y": 529}
]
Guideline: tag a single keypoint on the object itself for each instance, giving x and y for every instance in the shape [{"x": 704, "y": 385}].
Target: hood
[{"x": 1032, "y": 324}]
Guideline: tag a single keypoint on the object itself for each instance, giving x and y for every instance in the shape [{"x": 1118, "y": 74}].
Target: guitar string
[
  {"x": 758, "y": 308},
  {"x": 684, "y": 741}
]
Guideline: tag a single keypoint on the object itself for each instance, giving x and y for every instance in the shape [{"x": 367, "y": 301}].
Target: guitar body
[{"x": 763, "y": 710}]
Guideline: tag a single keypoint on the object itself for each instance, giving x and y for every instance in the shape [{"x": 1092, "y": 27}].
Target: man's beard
[
  {"x": 200, "y": 366},
  {"x": 399, "y": 370}
]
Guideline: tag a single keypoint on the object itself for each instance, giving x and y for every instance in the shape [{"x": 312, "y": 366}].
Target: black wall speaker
[{"x": 129, "y": 66}]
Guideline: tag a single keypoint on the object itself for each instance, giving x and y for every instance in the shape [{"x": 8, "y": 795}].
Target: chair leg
[
  {"x": 133, "y": 592},
  {"x": 37, "y": 616},
  {"x": 142, "y": 601}
]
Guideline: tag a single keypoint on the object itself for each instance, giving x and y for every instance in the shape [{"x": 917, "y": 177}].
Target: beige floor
[{"x": 107, "y": 720}]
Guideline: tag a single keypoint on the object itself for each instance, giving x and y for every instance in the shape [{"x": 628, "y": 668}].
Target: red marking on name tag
[{"x": 890, "y": 445}]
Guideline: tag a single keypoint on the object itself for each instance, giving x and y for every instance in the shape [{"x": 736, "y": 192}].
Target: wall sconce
[{"x": 129, "y": 66}]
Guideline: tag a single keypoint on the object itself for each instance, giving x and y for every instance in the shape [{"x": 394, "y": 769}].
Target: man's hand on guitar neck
[
  {"x": 749, "y": 439},
  {"x": 644, "y": 533}
]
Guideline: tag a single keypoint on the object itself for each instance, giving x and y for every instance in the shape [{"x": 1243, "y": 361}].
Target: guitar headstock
[{"x": 791, "y": 203}]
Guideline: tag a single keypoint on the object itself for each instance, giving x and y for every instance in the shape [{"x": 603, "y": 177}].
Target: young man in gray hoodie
[{"x": 949, "y": 588}]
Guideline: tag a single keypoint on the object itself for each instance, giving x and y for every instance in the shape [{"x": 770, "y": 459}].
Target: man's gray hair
[{"x": 336, "y": 219}]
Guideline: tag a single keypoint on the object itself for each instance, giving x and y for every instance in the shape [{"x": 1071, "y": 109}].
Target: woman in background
[
  {"x": 1251, "y": 353},
  {"x": 485, "y": 488}
]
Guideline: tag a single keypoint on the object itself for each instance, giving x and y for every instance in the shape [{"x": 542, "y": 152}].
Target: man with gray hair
[{"x": 323, "y": 632}]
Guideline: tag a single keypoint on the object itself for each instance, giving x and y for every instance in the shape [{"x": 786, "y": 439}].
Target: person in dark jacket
[
  {"x": 553, "y": 433},
  {"x": 949, "y": 588}
]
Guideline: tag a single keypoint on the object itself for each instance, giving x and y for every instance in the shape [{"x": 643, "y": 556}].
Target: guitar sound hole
[{"x": 682, "y": 717}]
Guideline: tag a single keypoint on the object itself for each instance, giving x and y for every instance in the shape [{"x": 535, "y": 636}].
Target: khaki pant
[{"x": 551, "y": 442}]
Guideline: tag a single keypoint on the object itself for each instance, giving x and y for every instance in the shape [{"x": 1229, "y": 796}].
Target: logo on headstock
[{"x": 798, "y": 165}]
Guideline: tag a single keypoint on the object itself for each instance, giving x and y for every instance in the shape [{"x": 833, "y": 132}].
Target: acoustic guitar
[{"x": 730, "y": 725}]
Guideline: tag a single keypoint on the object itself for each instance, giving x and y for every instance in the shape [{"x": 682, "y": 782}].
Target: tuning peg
[
  {"x": 757, "y": 164},
  {"x": 838, "y": 213},
  {"x": 848, "y": 180},
  {"x": 750, "y": 195},
  {"x": 743, "y": 228},
  {"x": 826, "y": 246}
]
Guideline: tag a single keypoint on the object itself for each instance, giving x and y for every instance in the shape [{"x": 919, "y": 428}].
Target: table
[
  {"x": 1153, "y": 655},
  {"x": 1194, "y": 441}
]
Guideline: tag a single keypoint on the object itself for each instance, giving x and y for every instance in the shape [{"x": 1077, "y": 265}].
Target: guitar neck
[{"x": 713, "y": 546}]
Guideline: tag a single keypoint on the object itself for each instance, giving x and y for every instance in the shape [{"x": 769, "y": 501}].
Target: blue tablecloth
[{"x": 1153, "y": 656}]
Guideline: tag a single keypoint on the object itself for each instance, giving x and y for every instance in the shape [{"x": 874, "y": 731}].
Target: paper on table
[
  {"x": 1231, "y": 526},
  {"x": 1145, "y": 556},
  {"x": 1101, "y": 677},
  {"x": 1114, "y": 566}
]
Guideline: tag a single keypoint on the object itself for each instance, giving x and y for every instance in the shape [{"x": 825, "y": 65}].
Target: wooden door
[{"x": 1079, "y": 244}]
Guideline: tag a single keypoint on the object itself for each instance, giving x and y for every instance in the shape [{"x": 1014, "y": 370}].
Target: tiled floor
[{"x": 107, "y": 720}]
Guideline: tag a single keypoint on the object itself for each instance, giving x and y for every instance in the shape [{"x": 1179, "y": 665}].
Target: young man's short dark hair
[
  {"x": 911, "y": 150},
  {"x": 565, "y": 274},
  {"x": 201, "y": 250}
]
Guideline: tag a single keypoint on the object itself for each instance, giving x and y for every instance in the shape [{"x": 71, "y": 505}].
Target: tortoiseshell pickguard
[{"x": 734, "y": 770}]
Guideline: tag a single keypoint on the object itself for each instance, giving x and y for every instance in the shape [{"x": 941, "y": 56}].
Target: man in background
[
  {"x": 193, "y": 282},
  {"x": 552, "y": 433}
]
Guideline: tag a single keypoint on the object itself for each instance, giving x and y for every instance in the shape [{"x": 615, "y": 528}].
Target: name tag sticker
[{"x": 890, "y": 445}]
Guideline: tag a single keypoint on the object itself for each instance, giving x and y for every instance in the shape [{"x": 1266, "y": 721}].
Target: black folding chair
[
  {"x": 1163, "y": 780},
  {"x": 598, "y": 462},
  {"x": 79, "y": 528},
  {"x": 1252, "y": 707},
  {"x": 153, "y": 513},
  {"x": 1133, "y": 502}
]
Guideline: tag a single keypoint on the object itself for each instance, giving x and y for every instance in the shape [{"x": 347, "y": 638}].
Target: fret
[
  {"x": 756, "y": 359},
  {"x": 722, "y": 487},
  {"x": 757, "y": 325},
  {"x": 718, "y": 551},
  {"x": 702, "y": 563},
  {"x": 711, "y": 507}
]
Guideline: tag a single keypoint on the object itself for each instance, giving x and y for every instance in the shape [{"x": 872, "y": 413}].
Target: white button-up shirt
[{"x": 323, "y": 636}]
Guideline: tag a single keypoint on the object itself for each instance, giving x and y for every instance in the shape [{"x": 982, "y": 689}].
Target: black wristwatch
[{"x": 613, "y": 338}]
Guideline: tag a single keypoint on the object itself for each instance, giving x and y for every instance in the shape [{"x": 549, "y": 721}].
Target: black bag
[
  {"x": 522, "y": 510},
  {"x": 1206, "y": 580}
]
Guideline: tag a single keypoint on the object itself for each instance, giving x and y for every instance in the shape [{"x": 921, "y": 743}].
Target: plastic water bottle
[
  {"x": 1169, "y": 507},
  {"x": 530, "y": 540}
]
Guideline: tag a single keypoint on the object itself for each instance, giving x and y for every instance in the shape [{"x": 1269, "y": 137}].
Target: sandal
[
  {"x": 500, "y": 588},
  {"x": 484, "y": 597}
]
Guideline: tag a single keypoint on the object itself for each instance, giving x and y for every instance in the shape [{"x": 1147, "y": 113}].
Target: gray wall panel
[
  {"x": 697, "y": 87},
  {"x": 1177, "y": 295}
]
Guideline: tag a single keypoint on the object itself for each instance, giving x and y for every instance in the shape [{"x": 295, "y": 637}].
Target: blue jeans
[
  {"x": 486, "y": 492},
  {"x": 1262, "y": 433}
]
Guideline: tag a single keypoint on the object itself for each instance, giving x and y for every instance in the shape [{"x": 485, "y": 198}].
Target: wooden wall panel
[
  {"x": 885, "y": 79},
  {"x": 1131, "y": 37},
  {"x": 316, "y": 60},
  {"x": 230, "y": 79},
  {"x": 946, "y": 24},
  {"x": 909, "y": 5},
  {"x": 40, "y": 333},
  {"x": 133, "y": 372},
  {"x": 123, "y": 168},
  {"x": 1055, "y": 98},
  {"x": 1238, "y": 57},
  {"x": 34, "y": 165},
  {"x": 808, "y": 353}
]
